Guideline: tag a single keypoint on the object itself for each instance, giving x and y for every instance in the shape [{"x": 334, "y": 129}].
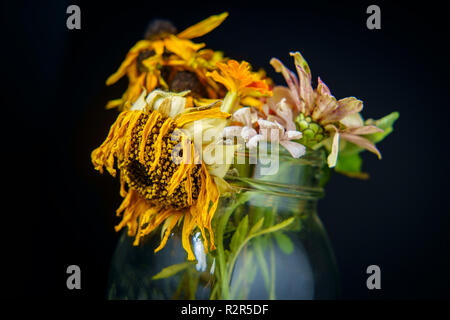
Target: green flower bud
[{"x": 313, "y": 133}]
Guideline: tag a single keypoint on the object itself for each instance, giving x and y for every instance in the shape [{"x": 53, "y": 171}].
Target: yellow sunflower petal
[
  {"x": 203, "y": 27},
  {"x": 151, "y": 122},
  {"x": 203, "y": 114},
  {"x": 129, "y": 59},
  {"x": 188, "y": 226},
  {"x": 162, "y": 132},
  {"x": 185, "y": 49},
  {"x": 114, "y": 103},
  {"x": 168, "y": 226}
]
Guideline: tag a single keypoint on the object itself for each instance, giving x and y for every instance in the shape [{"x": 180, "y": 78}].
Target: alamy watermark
[
  {"x": 374, "y": 280},
  {"x": 74, "y": 20},
  {"x": 374, "y": 20},
  {"x": 74, "y": 279},
  {"x": 217, "y": 150}
]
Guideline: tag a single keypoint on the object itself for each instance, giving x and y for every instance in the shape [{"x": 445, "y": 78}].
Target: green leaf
[
  {"x": 259, "y": 251},
  {"x": 257, "y": 226},
  {"x": 171, "y": 270},
  {"x": 239, "y": 234},
  {"x": 284, "y": 242},
  {"x": 269, "y": 217},
  {"x": 274, "y": 228},
  {"x": 235, "y": 253},
  {"x": 350, "y": 165},
  {"x": 349, "y": 162},
  {"x": 386, "y": 123}
]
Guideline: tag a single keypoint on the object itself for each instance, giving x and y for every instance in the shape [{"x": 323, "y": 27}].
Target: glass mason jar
[{"x": 270, "y": 243}]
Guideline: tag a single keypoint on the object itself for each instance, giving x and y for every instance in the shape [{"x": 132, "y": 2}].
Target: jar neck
[{"x": 281, "y": 174}]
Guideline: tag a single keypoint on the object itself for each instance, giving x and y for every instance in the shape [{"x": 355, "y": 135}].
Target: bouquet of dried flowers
[{"x": 186, "y": 113}]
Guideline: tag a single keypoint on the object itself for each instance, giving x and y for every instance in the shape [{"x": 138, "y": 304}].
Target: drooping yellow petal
[
  {"x": 114, "y": 103},
  {"x": 203, "y": 114},
  {"x": 168, "y": 226},
  {"x": 203, "y": 27},
  {"x": 184, "y": 167},
  {"x": 185, "y": 49},
  {"x": 129, "y": 60},
  {"x": 152, "y": 120},
  {"x": 133, "y": 121},
  {"x": 104, "y": 155},
  {"x": 158, "y": 46},
  {"x": 131, "y": 57},
  {"x": 162, "y": 132},
  {"x": 214, "y": 198},
  {"x": 188, "y": 226},
  {"x": 188, "y": 185}
]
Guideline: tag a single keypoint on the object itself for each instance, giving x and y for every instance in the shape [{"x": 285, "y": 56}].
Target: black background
[{"x": 58, "y": 211}]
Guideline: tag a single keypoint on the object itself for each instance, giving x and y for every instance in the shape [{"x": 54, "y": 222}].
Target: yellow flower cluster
[{"x": 173, "y": 62}]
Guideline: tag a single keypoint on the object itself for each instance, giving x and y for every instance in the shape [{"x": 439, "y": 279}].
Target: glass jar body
[{"x": 270, "y": 244}]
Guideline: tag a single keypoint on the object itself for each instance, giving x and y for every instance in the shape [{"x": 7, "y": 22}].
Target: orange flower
[
  {"x": 244, "y": 86},
  {"x": 237, "y": 77}
]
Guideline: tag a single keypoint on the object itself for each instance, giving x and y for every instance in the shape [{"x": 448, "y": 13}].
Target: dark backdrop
[{"x": 58, "y": 211}]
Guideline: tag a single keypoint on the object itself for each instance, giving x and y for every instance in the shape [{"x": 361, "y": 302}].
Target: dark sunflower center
[
  {"x": 153, "y": 184},
  {"x": 159, "y": 28},
  {"x": 144, "y": 54},
  {"x": 186, "y": 80}
]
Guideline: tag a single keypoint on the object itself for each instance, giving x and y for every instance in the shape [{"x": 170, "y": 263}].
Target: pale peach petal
[
  {"x": 364, "y": 130},
  {"x": 346, "y": 107},
  {"x": 322, "y": 87},
  {"x": 265, "y": 109},
  {"x": 264, "y": 124},
  {"x": 253, "y": 142},
  {"x": 248, "y": 133},
  {"x": 362, "y": 142},
  {"x": 244, "y": 116},
  {"x": 232, "y": 131},
  {"x": 305, "y": 90},
  {"x": 292, "y": 135},
  {"x": 324, "y": 104},
  {"x": 301, "y": 62},
  {"x": 285, "y": 112},
  {"x": 332, "y": 157},
  {"x": 279, "y": 93},
  {"x": 273, "y": 118},
  {"x": 353, "y": 121},
  {"x": 295, "y": 149},
  {"x": 291, "y": 81}
]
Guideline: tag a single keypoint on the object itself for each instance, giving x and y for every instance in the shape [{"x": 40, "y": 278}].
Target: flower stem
[
  {"x": 272, "y": 272},
  {"x": 229, "y": 102}
]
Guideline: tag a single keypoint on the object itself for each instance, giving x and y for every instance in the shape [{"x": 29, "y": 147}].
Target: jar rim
[
  {"x": 242, "y": 184},
  {"x": 312, "y": 158}
]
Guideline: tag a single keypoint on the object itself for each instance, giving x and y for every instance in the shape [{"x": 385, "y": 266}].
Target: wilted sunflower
[
  {"x": 169, "y": 60},
  {"x": 319, "y": 115},
  {"x": 158, "y": 161}
]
